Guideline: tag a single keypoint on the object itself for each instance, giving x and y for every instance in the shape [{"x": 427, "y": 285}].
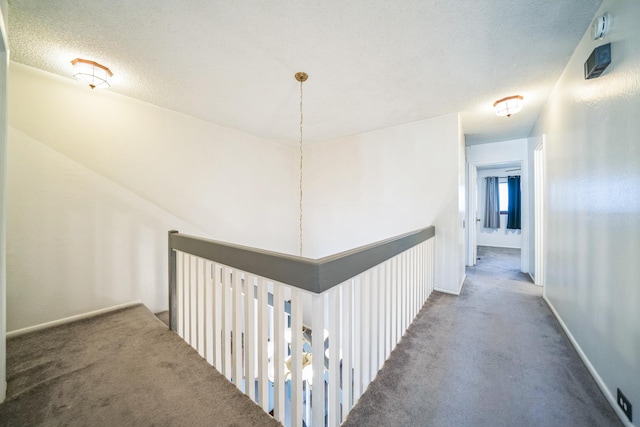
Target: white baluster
[
  {"x": 180, "y": 292},
  {"x": 347, "y": 325},
  {"x": 193, "y": 305},
  {"x": 200, "y": 297},
  {"x": 278, "y": 351},
  {"x": 317, "y": 338},
  {"x": 217, "y": 317},
  {"x": 296, "y": 357},
  {"x": 395, "y": 304},
  {"x": 249, "y": 336},
  {"x": 405, "y": 280},
  {"x": 334, "y": 356},
  {"x": 387, "y": 310},
  {"x": 226, "y": 322},
  {"x": 187, "y": 297},
  {"x": 365, "y": 355},
  {"x": 382, "y": 285},
  {"x": 237, "y": 329},
  {"x": 210, "y": 332},
  {"x": 357, "y": 342},
  {"x": 263, "y": 341},
  {"x": 373, "y": 322},
  {"x": 421, "y": 276},
  {"x": 412, "y": 299},
  {"x": 432, "y": 261}
]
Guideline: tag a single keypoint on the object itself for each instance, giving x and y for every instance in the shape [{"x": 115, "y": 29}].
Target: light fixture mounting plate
[{"x": 302, "y": 76}]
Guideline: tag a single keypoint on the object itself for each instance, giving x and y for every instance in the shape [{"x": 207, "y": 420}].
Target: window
[{"x": 504, "y": 197}]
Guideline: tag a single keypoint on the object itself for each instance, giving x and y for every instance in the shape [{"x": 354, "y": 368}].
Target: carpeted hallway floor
[{"x": 494, "y": 356}]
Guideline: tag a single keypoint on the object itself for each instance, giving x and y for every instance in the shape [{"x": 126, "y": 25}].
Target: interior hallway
[{"x": 494, "y": 356}]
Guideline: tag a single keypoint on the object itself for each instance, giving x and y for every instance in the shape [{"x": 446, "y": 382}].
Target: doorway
[{"x": 476, "y": 233}]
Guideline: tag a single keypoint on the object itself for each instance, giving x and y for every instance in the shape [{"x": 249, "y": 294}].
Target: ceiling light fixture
[
  {"x": 301, "y": 77},
  {"x": 508, "y": 106},
  {"x": 91, "y": 73}
]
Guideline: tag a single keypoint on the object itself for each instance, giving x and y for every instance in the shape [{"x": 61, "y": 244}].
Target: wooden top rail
[{"x": 314, "y": 275}]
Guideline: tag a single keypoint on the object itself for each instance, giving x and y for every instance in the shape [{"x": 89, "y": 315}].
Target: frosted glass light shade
[
  {"x": 91, "y": 73},
  {"x": 508, "y": 106}
]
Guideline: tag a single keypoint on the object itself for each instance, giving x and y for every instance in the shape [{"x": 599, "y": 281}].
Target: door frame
[
  {"x": 539, "y": 205},
  {"x": 472, "y": 208},
  {"x": 4, "y": 73}
]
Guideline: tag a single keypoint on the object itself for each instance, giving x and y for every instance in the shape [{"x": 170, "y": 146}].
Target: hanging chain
[{"x": 301, "y": 117}]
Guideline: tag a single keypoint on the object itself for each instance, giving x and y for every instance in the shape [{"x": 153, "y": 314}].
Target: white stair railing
[{"x": 278, "y": 360}]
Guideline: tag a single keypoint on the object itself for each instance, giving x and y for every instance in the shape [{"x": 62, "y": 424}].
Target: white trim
[
  {"x": 533, "y": 279},
  {"x": 471, "y": 230},
  {"x": 51, "y": 324},
  {"x": 592, "y": 370},
  {"x": 4, "y": 64},
  {"x": 449, "y": 291},
  {"x": 538, "y": 209}
]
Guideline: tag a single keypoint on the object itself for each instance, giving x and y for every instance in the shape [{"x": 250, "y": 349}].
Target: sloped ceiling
[{"x": 372, "y": 64}]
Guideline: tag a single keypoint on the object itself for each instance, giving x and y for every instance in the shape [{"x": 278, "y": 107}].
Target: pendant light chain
[
  {"x": 301, "y": 77},
  {"x": 301, "y": 118}
]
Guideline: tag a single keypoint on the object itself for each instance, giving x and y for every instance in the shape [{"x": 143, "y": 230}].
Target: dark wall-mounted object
[{"x": 597, "y": 61}]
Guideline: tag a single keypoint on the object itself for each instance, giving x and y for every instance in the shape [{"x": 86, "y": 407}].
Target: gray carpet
[
  {"x": 494, "y": 356},
  {"x": 121, "y": 369}
]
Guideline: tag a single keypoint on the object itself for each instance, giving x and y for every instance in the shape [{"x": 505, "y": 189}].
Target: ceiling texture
[{"x": 371, "y": 63}]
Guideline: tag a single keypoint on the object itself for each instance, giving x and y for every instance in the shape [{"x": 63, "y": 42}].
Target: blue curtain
[
  {"x": 492, "y": 204},
  {"x": 514, "y": 211}
]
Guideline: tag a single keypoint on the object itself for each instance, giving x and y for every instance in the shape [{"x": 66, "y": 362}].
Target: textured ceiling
[{"x": 371, "y": 64}]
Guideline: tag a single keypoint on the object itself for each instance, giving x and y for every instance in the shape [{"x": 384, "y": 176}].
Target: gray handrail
[{"x": 314, "y": 275}]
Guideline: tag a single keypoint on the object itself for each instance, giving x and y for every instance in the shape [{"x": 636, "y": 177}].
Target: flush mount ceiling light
[
  {"x": 91, "y": 73},
  {"x": 508, "y": 106}
]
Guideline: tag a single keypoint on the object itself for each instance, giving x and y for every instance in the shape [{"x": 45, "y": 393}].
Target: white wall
[
  {"x": 498, "y": 237},
  {"x": 77, "y": 241},
  {"x": 372, "y": 186},
  {"x": 592, "y": 221},
  {"x": 237, "y": 187},
  {"x": 508, "y": 152},
  {"x": 97, "y": 179}
]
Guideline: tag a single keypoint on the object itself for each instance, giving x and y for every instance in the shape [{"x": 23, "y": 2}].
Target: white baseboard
[
  {"x": 605, "y": 390},
  {"x": 46, "y": 325},
  {"x": 501, "y": 246},
  {"x": 446, "y": 291},
  {"x": 449, "y": 291},
  {"x": 3, "y": 391}
]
